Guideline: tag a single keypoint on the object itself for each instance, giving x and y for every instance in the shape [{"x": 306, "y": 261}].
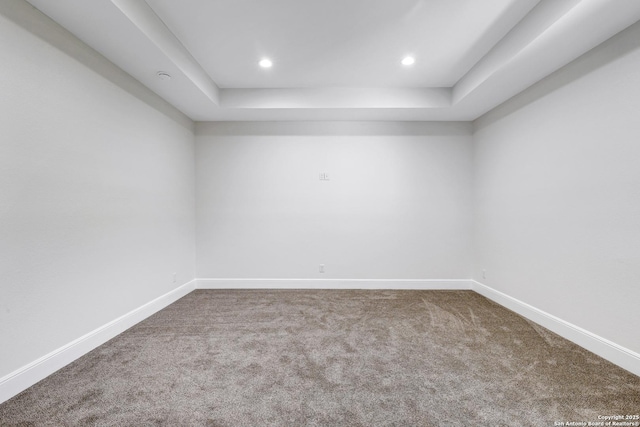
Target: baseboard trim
[
  {"x": 245, "y": 283},
  {"x": 604, "y": 348},
  {"x": 28, "y": 375}
]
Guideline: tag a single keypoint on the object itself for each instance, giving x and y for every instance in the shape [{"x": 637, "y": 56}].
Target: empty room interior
[{"x": 304, "y": 212}]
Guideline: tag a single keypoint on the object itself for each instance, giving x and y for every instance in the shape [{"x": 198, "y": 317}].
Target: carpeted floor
[{"x": 330, "y": 358}]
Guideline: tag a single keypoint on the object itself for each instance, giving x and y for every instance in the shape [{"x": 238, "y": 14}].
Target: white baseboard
[
  {"x": 25, "y": 377},
  {"x": 28, "y": 375},
  {"x": 604, "y": 348},
  {"x": 431, "y": 284}
]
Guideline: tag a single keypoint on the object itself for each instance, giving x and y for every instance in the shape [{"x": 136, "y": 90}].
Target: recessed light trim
[
  {"x": 408, "y": 60},
  {"x": 265, "y": 63},
  {"x": 163, "y": 75}
]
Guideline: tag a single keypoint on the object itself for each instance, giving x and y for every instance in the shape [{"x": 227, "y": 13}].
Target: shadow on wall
[{"x": 334, "y": 128}]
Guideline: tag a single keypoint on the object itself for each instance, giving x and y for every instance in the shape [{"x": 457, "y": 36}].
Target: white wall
[
  {"x": 96, "y": 190},
  {"x": 97, "y": 194},
  {"x": 397, "y": 204},
  {"x": 557, "y": 193}
]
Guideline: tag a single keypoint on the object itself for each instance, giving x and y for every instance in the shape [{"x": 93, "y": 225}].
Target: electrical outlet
[
  {"x": 321, "y": 269},
  {"x": 324, "y": 176}
]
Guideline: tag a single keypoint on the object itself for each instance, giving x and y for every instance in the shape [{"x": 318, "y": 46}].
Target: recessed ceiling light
[
  {"x": 408, "y": 60},
  {"x": 265, "y": 63},
  {"x": 163, "y": 75}
]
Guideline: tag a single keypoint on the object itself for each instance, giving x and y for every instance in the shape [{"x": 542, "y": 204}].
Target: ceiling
[
  {"x": 340, "y": 59},
  {"x": 338, "y": 43}
]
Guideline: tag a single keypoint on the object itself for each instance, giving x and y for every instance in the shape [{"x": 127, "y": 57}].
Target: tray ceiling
[{"x": 340, "y": 59}]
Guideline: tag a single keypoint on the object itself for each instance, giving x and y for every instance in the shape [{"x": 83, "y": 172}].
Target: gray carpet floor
[{"x": 330, "y": 358}]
